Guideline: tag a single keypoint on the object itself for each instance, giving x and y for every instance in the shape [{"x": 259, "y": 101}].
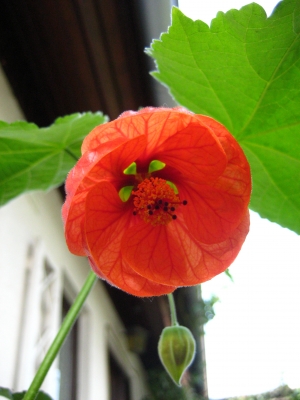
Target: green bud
[{"x": 176, "y": 349}]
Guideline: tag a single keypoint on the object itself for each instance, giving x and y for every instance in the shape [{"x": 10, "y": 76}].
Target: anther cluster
[{"x": 155, "y": 201}]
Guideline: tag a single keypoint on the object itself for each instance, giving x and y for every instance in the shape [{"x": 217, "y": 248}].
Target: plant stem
[
  {"x": 172, "y": 309},
  {"x": 65, "y": 328}
]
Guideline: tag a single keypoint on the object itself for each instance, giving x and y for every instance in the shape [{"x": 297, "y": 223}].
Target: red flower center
[{"x": 155, "y": 201}]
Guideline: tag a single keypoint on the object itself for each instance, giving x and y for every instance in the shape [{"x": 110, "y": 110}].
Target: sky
[{"x": 253, "y": 343}]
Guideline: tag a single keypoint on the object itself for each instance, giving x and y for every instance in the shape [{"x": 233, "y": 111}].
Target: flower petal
[
  {"x": 171, "y": 255},
  {"x": 125, "y": 128},
  {"x": 195, "y": 152},
  {"x": 83, "y": 177},
  {"x": 83, "y": 167},
  {"x": 231, "y": 147},
  {"x": 158, "y": 124},
  {"x": 215, "y": 210},
  {"x": 158, "y": 254},
  {"x": 107, "y": 221},
  {"x": 218, "y": 257}
]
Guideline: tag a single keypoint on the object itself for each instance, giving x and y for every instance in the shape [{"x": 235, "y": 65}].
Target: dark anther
[
  {"x": 156, "y": 207},
  {"x": 184, "y": 202},
  {"x": 150, "y": 212},
  {"x": 165, "y": 208},
  {"x": 166, "y": 203},
  {"x": 172, "y": 208},
  {"x": 174, "y": 216},
  {"x": 160, "y": 201},
  {"x": 149, "y": 206},
  {"x": 134, "y": 213}
]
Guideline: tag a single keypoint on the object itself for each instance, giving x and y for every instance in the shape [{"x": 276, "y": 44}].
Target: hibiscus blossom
[{"x": 158, "y": 200}]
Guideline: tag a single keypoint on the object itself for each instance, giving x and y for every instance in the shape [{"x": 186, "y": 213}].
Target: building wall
[{"x": 36, "y": 271}]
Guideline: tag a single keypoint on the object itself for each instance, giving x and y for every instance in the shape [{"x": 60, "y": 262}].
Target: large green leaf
[
  {"x": 244, "y": 70},
  {"x": 33, "y": 158}
]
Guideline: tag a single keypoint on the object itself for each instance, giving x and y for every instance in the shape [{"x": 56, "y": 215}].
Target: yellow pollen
[{"x": 155, "y": 201}]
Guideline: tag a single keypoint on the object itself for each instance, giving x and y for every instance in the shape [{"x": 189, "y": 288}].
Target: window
[{"x": 40, "y": 319}]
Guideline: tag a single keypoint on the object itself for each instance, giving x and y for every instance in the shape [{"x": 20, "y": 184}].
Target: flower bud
[{"x": 176, "y": 349}]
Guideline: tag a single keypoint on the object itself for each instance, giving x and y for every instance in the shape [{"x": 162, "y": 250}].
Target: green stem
[
  {"x": 172, "y": 309},
  {"x": 65, "y": 328}
]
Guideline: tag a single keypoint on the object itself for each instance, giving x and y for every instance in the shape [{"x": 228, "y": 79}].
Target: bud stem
[{"x": 174, "y": 321}]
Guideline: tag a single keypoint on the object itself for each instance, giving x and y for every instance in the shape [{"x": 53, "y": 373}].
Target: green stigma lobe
[
  {"x": 131, "y": 170},
  {"x": 125, "y": 193},
  {"x": 174, "y": 187},
  {"x": 156, "y": 165}
]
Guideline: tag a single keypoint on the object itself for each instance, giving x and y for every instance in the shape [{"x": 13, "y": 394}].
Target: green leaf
[
  {"x": 6, "y": 393},
  {"x": 244, "y": 71},
  {"x": 40, "y": 396},
  {"x": 40, "y": 159},
  {"x": 19, "y": 396},
  {"x": 297, "y": 18}
]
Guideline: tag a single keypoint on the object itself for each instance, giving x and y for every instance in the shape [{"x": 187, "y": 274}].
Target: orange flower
[{"x": 159, "y": 199}]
